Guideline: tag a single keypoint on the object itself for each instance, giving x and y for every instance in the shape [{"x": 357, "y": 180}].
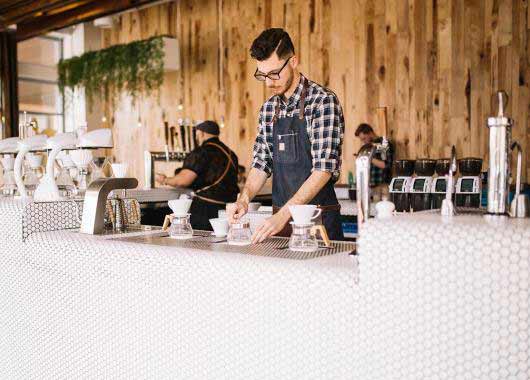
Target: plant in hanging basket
[{"x": 134, "y": 68}]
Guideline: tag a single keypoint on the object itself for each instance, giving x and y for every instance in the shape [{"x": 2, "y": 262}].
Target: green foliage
[{"x": 134, "y": 68}]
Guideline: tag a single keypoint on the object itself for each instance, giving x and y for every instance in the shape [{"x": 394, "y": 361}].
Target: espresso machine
[
  {"x": 400, "y": 185},
  {"x": 439, "y": 183},
  {"x": 420, "y": 189},
  {"x": 469, "y": 184}
]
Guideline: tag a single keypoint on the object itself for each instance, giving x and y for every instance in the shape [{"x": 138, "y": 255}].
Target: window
[{"x": 39, "y": 95}]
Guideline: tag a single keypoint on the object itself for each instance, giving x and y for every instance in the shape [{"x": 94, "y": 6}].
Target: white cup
[
  {"x": 304, "y": 214},
  {"x": 220, "y": 226}
]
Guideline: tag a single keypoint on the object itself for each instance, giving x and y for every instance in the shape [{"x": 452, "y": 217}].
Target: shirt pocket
[{"x": 287, "y": 148}]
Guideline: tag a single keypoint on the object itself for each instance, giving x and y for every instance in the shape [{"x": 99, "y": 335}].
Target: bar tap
[
  {"x": 363, "y": 164},
  {"x": 499, "y": 159},
  {"x": 166, "y": 135},
  {"x": 448, "y": 208}
]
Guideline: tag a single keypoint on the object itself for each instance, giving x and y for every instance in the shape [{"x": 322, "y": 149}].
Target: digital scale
[
  {"x": 469, "y": 185},
  {"x": 399, "y": 192},
  {"x": 439, "y": 183},
  {"x": 399, "y": 187},
  {"x": 468, "y": 191},
  {"x": 438, "y": 191},
  {"x": 420, "y": 197}
]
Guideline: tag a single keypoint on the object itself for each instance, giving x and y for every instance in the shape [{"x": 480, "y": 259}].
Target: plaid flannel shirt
[
  {"x": 325, "y": 128},
  {"x": 379, "y": 176}
]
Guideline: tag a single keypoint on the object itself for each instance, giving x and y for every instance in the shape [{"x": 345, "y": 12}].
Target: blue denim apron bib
[{"x": 292, "y": 165}]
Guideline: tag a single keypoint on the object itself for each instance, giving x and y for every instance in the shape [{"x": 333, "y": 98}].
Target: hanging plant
[{"x": 134, "y": 68}]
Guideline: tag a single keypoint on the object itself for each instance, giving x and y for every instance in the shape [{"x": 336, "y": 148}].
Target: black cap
[{"x": 208, "y": 126}]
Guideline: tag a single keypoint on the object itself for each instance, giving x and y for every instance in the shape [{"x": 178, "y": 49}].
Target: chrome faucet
[
  {"x": 363, "y": 164},
  {"x": 500, "y": 128},
  {"x": 94, "y": 206}
]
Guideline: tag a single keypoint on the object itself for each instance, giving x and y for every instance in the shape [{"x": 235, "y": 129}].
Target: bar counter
[{"x": 423, "y": 298}]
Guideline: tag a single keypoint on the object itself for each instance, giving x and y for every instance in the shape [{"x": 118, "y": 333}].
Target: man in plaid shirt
[
  {"x": 380, "y": 170},
  {"x": 299, "y": 140}
]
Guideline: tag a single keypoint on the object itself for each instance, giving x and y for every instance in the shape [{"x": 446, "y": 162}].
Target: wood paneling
[{"x": 434, "y": 64}]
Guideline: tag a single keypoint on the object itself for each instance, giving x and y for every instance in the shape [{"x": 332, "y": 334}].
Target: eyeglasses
[{"x": 272, "y": 75}]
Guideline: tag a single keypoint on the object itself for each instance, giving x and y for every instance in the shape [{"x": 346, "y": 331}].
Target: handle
[
  {"x": 166, "y": 131},
  {"x": 323, "y": 234},
  {"x": 519, "y": 167},
  {"x": 167, "y": 222},
  {"x": 319, "y": 211},
  {"x": 172, "y": 138}
]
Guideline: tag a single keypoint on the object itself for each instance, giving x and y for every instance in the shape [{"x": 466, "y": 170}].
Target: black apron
[
  {"x": 204, "y": 208},
  {"x": 292, "y": 165}
]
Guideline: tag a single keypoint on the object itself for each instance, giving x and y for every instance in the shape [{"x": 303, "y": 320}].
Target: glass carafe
[
  {"x": 33, "y": 172},
  {"x": 303, "y": 238},
  {"x": 239, "y": 233},
  {"x": 9, "y": 186},
  {"x": 97, "y": 168},
  {"x": 180, "y": 227}
]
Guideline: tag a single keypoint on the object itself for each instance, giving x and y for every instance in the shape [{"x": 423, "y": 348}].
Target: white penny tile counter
[
  {"x": 422, "y": 300},
  {"x": 444, "y": 298},
  {"x": 79, "y": 306}
]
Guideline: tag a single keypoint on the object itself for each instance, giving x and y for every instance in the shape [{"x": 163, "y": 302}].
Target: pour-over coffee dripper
[
  {"x": 9, "y": 186},
  {"x": 65, "y": 178},
  {"x": 82, "y": 159},
  {"x": 9, "y": 147},
  {"x": 303, "y": 237},
  {"x": 97, "y": 167},
  {"x": 180, "y": 219},
  {"x": 33, "y": 172}
]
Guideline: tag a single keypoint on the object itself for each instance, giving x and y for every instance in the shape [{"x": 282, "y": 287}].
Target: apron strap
[
  {"x": 302, "y": 104},
  {"x": 229, "y": 163}
]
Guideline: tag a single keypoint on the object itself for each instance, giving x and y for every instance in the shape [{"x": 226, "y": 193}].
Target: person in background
[
  {"x": 381, "y": 170},
  {"x": 211, "y": 171}
]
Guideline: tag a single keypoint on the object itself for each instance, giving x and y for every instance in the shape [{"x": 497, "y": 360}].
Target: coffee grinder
[
  {"x": 469, "y": 186},
  {"x": 400, "y": 185},
  {"x": 420, "y": 197},
  {"x": 439, "y": 183}
]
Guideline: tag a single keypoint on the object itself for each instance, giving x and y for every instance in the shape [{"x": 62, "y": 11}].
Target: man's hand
[
  {"x": 235, "y": 211},
  {"x": 271, "y": 226},
  {"x": 161, "y": 179}
]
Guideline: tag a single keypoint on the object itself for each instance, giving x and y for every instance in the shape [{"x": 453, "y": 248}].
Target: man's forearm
[
  {"x": 310, "y": 188},
  {"x": 255, "y": 181}
]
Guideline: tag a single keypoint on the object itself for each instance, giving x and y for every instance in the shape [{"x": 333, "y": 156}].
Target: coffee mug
[
  {"x": 304, "y": 214},
  {"x": 220, "y": 226}
]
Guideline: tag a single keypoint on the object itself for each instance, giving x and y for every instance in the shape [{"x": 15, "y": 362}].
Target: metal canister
[{"x": 499, "y": 159}]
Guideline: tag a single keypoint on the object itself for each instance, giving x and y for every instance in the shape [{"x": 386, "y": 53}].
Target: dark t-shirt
[{"x": 209, "y": 163}]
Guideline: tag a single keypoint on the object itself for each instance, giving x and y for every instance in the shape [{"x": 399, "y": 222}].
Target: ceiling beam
[
  {"x": 87, "y": 11},
  {"x": 23, "y": 10}
]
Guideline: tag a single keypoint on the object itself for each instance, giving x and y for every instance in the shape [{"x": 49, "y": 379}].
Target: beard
[{"x": 280, "y": 90}]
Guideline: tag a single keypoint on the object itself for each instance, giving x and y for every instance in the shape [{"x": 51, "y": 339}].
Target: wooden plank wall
[{"x": 434, "y": 63}]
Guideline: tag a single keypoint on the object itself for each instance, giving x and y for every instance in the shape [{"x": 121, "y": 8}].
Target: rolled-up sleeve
[
  {"x": 262, "y": 159},
  {"x": 327, "y": 132}
]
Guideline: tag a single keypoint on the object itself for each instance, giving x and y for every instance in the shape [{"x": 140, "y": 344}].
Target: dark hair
[
  {"x": 363, "y": 128},
  {"x": 269, "y": 41}
]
